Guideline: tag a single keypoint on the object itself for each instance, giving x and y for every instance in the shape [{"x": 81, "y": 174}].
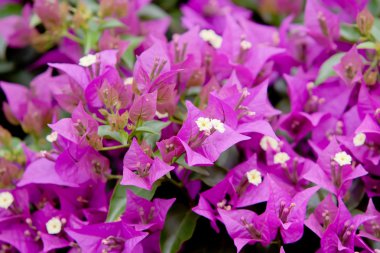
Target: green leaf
[
  {"x": 91, "y": 36},
  {"x": 118, "y": 202},
  {"x": 119, "y": 198},
  {"x": 106, "y": 131},
  {"x": 200, "y": 170},
  {"x": 215, "y": 176},
  {"x": 152, "y": 11},
  {"x": 375, "y": 31},
  {"x": 3, "y": 48},
  {"x": 367, "y": 45},
  {"x": 326, "y": 69},
  {"x": 10, "y": 9},
  {"x": 111, "y": 23},
  {"x": 356, "y": 194},
  {"x": 152, "y": 131},
  {"x": 350, "y": 33},
  {"x": 152, "y": 126},
  {"x": 179, "y": 227},
  {"x": 6, "y": 67},
  {"x": 146, "y": 194},
  {"x": 129, "y": 55}
]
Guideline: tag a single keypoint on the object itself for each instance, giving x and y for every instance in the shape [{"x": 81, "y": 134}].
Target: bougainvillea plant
[{"x": 190, "y": 126}]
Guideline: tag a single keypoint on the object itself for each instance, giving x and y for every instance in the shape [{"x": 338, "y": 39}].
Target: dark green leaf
[
  {"x": 326, "y": 69},
  {"x": 179, "y": 227},
  {"x": 356, "y": 194},
  {"x": 118, "y": 202},
  {"x": 119, "y": 199},
  {"x": 3, "y": 48},
  {"x": 10, "y": 9},
  {"x": 200, "y": 170},
  {"x": 146, "y": 194},
  {"x": 6, "y": 67}
]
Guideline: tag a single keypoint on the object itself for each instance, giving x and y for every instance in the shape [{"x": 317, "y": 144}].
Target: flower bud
[
  {"x": 370, "y": 77},
  {"x": 364, "y": 21}
]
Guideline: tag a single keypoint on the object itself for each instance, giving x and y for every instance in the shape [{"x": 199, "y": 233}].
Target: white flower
[
  {"x": 211, "y": 37},
  {"x": 281, "y": 158},
  {"x": 128, "y": 81},
  {"x": 54, "y": 226},
  {"x": 204, "y": 124},
  {"x": 87, "y": 60},
  {"x": 267, "y": 140},
  {"x": 254, "y": 177},
  {"x": 162, "y": 115},
  {"x": 6, "y": 199},
  {"x": 245, "y": 44},
  {"x": 52, "y": 137},
  {"x": 359, "y": 139},
  {"x": 218, "y": 125},
  {"x": 342, "y": 158}
]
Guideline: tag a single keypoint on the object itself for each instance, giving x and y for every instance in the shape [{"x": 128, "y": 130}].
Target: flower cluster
[{"x": 136, "y": 139}]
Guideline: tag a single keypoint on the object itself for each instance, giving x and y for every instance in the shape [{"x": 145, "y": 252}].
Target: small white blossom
[
  {"x": 218, "y": 125},
  {"x": 254, "y": 177},
  {"x": 211, "y": 37},
  {"x": 52, "y": 137},
  {"x": 6, "y": 199},
  {"x": 204, "y": 124},
  {"x": 128, "y": 81},
  {"x": 54, "y": 226},
  {"x": 245, "y": 44},
  {"x": 162, "y": 115},
  {"x": 267, "y": 140},
  {"x": 359, "y": 139},
  {"x": 281, "y": 158},
  {"x": 342, "y": 158},
  {"x": 87, "y": 60}
]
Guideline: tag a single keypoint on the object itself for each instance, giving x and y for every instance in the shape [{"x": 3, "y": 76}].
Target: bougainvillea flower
[
  {"x": 218, "y": 197},
  {"x": 80, "y": 129},
  {"x": 112, "y": 236},
  {"x": 350, "y": 67},
  {"x": 79, "y": 165},
  {"x": 202, "y": 140},
  {"x": 322, "y": 24},
  {"x": 340, "y": 234},
  {"x": 322, "y": 216},
  {"x": 145, "y": 215},
  {"x": 334, "y": 170},
  {"x": 371, "y": 228},
  {"x": 140, "y": 170},
  {"x": 16, "y": 30},
  {"x": 246, "y": 227},
  {"x": 42, "y": 171},
  {"x": 289, "y": 210}
]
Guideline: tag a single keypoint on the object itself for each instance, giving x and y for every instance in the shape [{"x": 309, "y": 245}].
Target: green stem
[
  {"x": 178, "y": 184},
  {"x": 110, "y": 176},
  {"x": 99, "y": 119},
  {"x": 113, "y": 147},
  {"x": 174, "y": 120},
  {"x": 74, "y": 38}
]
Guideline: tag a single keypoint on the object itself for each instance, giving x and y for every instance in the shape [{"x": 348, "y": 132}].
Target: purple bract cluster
[{"x": 265, "y": 131}]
